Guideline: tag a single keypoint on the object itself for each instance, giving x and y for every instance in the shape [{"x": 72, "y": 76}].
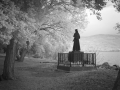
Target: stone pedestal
[{"x": 76, "y": 56}]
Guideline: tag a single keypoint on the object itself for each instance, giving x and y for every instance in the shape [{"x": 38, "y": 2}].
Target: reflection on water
[{"x": 110, "y": 57}]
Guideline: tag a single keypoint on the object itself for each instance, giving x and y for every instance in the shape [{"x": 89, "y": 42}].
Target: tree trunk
[
  {"x": 8, "y": 70},
  {"x": 23, "y": 52},
  {"x": 117, "y": 82}
]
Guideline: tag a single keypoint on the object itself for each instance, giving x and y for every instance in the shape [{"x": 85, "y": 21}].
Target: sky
[{"x": 106, "y": 26}]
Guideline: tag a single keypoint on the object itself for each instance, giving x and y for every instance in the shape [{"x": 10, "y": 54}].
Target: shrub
[{"x": 105, "y": 65}]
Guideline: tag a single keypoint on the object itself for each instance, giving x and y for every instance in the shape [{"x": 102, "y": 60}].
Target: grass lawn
[{"x": 33, "y": 75}]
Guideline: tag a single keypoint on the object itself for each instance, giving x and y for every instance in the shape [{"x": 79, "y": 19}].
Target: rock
[
  {"x": 105, "y": 65},
  {"x": 116, "y": 67}
]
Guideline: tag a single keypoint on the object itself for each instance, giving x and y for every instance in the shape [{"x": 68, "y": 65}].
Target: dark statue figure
[{"x": 76, "y": 45}]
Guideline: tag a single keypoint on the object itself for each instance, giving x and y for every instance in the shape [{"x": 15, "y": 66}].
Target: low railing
[
  {"x": 79, "y": 59},
  {"x": 62, "y": 58},
  {"x": 90, "y": 58}
]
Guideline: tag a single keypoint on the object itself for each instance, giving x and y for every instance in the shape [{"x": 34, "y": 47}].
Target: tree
[
  {"x": 53, "y": 5},
  {"x": 116, "y": 4},
  {"x": 117, "y": 27},
  {"x": 16, "y": 25},
  {"x": 57, "y": 29},
  {"x": 5, "y": 24}
]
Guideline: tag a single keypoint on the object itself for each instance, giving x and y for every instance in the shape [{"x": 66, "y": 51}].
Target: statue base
[{"x": 75, "y": 56}]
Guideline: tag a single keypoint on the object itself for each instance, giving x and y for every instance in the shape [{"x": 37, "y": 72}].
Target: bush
[
  {"x": 38, "y": 51},
  {"x": 105, "y": 65},
  {"x": 49, "y": 48},
  {"x": 116, "y": 67}
]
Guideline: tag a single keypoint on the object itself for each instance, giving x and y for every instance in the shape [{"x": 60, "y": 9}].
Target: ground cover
[{"x": 41, "y": 74}]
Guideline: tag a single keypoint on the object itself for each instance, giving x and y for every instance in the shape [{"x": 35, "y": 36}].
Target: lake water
[{"x": 110, "y": 57}]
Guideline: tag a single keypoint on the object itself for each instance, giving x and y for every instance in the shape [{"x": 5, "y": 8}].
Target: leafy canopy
[{"x": 23, "y": 19}]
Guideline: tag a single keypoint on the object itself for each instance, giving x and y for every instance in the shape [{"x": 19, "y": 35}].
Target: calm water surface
[{"x": 110, "y": 57}]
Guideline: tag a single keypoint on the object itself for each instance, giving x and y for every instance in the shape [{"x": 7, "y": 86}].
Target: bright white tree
[{"x": 16, "y": 25}]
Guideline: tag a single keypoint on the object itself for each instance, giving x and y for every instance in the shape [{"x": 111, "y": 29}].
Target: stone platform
[{"x": 76, "y": 68}]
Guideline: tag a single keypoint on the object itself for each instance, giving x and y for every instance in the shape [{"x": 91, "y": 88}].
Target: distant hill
[{"x": 100, "y": 42}]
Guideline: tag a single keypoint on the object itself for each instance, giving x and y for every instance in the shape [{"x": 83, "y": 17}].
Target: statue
[
  {"x": 76, "y": 55},
  {"x": 76, "y": 45}
]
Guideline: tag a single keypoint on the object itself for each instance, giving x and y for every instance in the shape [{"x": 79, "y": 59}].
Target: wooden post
[
  {"x": 58, "y": 58},
  {"x": 82, "y": 55},
  {"x": 70, "y": 63},
  {"x": 95, "y": 59},
  {"x": 87, "y": 58},
  {"x": 64, "y": 57},
  {"x": 61, "y": 60}
]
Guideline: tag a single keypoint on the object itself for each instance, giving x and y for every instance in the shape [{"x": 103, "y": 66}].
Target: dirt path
[{"x": 33, "y": 75}]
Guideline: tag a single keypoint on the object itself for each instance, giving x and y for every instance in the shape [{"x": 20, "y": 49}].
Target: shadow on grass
[
  {"x": 97, "y": 80},
  {"x": 38, "y": 71},
  {"x": 32, "y": 75}
]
